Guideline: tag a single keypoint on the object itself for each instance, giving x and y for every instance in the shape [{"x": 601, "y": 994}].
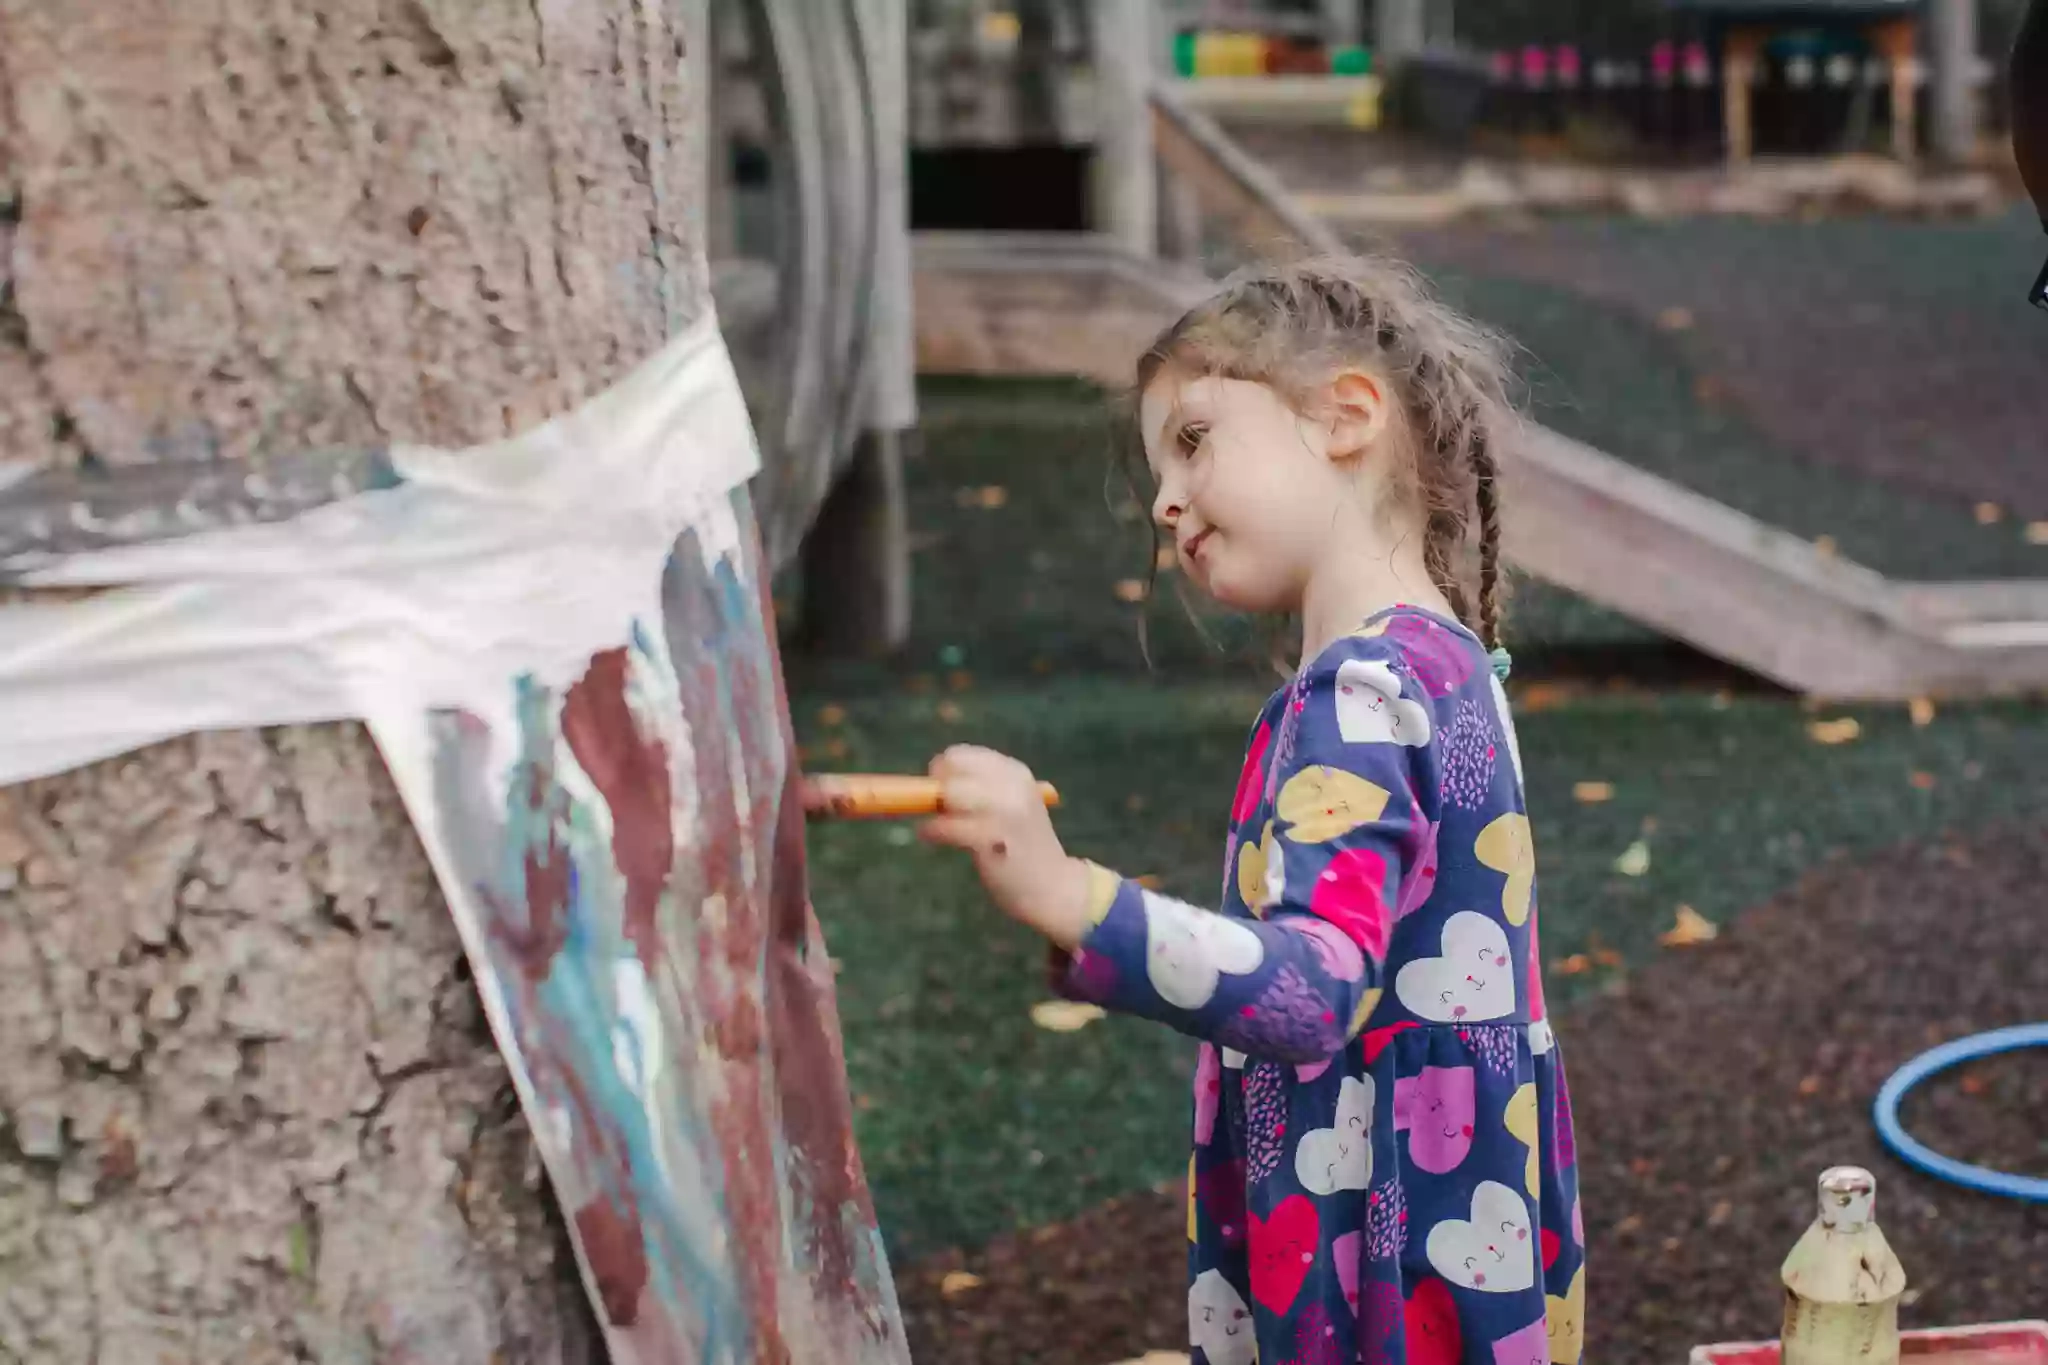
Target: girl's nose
[{"x": 1166, "y": 508}]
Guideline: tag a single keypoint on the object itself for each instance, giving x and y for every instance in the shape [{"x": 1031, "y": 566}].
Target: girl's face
[{"x": 1251, "y": 492}]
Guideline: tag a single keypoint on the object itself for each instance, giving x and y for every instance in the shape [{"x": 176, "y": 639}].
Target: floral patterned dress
[{"x": 1383, "y": 1163}]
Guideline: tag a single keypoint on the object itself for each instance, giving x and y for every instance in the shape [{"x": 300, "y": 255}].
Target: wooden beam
[
  {"x": 1124, "y": 39},
  {"x": 1952, "y": 40}
]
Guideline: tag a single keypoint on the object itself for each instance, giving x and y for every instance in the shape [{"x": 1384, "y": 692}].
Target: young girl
[{"x": 1383, "y": 1159}]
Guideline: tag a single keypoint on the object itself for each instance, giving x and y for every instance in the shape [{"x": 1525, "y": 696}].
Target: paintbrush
[{"x": 880, "y": 796}]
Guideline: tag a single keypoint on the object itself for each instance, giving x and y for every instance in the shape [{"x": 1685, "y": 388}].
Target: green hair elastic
[{"x": 1502, "y": 662}]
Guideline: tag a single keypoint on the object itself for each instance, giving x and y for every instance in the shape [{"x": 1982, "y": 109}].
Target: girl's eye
[{"x": 1191, "y": 437}]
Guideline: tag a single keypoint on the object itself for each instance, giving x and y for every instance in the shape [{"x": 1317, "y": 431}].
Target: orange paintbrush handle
[{"x": 880, "y": 796}]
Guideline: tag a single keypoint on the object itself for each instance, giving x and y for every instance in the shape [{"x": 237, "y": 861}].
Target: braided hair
[{"x": 1294, "y": 326}]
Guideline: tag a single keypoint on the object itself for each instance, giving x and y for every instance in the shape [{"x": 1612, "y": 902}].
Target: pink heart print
[{"x": 1437, "y": 1108}]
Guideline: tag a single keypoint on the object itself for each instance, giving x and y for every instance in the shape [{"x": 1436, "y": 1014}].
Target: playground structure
[{"x": 1694, "y": 569}]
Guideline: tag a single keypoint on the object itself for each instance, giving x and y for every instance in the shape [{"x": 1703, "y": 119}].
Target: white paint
[{"x": 526, "y": 555}]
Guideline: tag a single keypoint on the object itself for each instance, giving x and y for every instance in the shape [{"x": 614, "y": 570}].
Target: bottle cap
[{"x": 1848, "y": 1198}]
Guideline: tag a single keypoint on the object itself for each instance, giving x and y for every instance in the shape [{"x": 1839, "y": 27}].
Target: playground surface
[{"x": 1876, "y": 885}]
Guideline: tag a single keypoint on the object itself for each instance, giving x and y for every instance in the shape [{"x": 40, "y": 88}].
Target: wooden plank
[
  {"x": 1230, "y": 184},
  {"x": 1693, "y": 568}
]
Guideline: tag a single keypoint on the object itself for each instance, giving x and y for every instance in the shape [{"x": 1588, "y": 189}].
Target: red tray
[{"x": 2001, "y": 1343}]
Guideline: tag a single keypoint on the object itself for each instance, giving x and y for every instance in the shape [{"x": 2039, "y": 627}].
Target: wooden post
[
  {"x": 856, "y": 559},
  {"x": 1343, "y": 23},
  {"x": 1952, "y": 36},
  {"x": 1125, "y": 183},
  {"x": 1739, "y": 53},
  {"x": 1401, "y": 28},
  {"x": 1895, "y": 40}
]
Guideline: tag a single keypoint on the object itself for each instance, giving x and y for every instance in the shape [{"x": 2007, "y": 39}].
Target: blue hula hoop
[{"x": 1918, "y": 1154}]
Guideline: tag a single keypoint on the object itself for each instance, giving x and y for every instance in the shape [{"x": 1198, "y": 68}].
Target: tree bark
[{"x": 248, "y": 1108}]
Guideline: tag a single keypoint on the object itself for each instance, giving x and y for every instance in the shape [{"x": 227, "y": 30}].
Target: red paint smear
[
  {"x": 618, "y": 1260},
  {"x": 632, "y": 773}
]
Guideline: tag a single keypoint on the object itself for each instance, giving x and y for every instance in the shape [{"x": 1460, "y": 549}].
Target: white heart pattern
[
  {"x": 1219, "y": 1324},
  {"x": 1371, "y": 710},
  {"x": 1187, "y": 949},
  {"x": 1470, "y": 982},
  {"x": 1495, "y": 1252},
  {"x": 1340, "y": 1157}
]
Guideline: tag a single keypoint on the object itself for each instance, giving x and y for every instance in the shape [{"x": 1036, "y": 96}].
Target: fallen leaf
[
  {"x": 829, "y": 716},
  {"x": 994, "y": 496},
  {"x": 1925, "y": 781},
  {"x": 1840, "y": 731},
  {"x": 1989, "y": 514},
  {"x": 1539, "y": 696},
  {"x": 959, "y": 680},
  {"x": 1634, "y": 860},
  {"x": 1720, "y": 1213},
  {"x": 959, "y": 1282},
  {"x": 1592, "y": 793},
  {"x": 1921, "y": 709},
  {"x": 1575, "y": 965},
  {"x": 864, "y": 1103},
  {"x": 1810, "y": 1085},
  {"x": 1972, "y": 1083},
  {"x": 918, "y": 684},
  {"x": 1130, "y": 590},
  {"x": 1064, "y": 1016},
  {"x": 1825, "y": 547},
  {"x": 835, "y": 749},
  {"x": 1690, "y": 928},
  {"x": 1168, "y": 558},
  {"x": 2037, "y": 533},
  {"x": 1708, "y": 389},
  {"x": 949, "y": 711},
  {"x": 1632, "y": 1223},
  {"x": 1675, "y": 320},
  {"x": 1607, "y": 957},
  {"x": 1041, "y": 664},
  {"x": 1150, "y": 881}
]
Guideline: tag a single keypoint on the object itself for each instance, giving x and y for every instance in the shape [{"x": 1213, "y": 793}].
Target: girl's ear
[{"x": 1360, "y": 413}]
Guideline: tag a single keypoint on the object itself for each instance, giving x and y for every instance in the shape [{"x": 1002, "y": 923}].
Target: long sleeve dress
[{"x": 1383, "y": 1166}]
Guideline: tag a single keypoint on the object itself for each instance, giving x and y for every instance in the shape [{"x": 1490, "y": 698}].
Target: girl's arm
[{"x": 1346, "y": 852}]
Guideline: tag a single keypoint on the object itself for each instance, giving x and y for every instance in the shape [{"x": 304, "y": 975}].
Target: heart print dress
[{"x": 1383, "y": 1166}]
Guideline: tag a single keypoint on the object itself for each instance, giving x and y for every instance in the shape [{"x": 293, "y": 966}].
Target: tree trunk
[{"x": 248, "y": 1107}]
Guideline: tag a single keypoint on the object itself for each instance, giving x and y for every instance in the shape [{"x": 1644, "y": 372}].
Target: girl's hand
[{"x": 993, "y": 809}]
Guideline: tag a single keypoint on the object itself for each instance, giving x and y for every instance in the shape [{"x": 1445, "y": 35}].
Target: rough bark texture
[{"x": 248, "y": 1109}]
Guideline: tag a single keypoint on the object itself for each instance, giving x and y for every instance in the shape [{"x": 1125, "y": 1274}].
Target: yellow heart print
[
  {"x": 1506, "y": 846},
  {"x": 1320, "y": 804}
]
